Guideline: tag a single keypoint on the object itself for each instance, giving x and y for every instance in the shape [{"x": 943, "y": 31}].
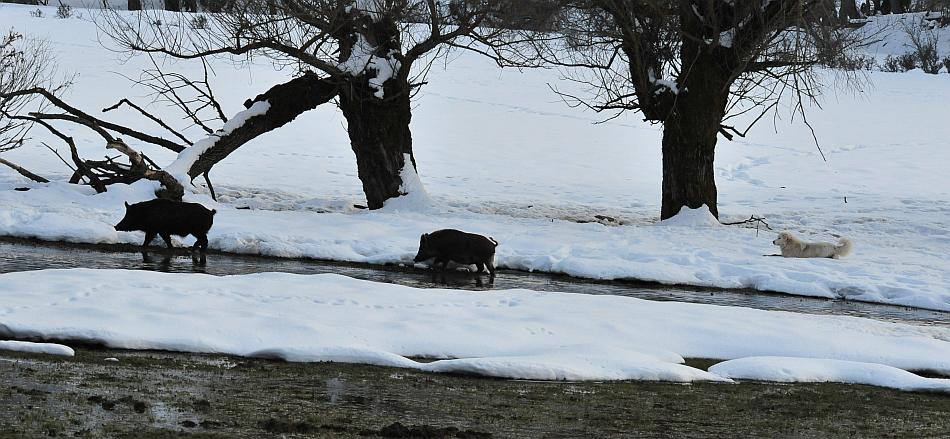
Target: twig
[
  {"x": 71, "y": 168},
  {"x": 210, "y": 187},
  {"x": 150, "y": 116},
  {"x": 752, "y": 219}
]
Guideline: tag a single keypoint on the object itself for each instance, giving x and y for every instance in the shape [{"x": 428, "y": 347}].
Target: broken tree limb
[
  {"x": 287, "y": 101},
  {"x": 23, "y": 171},
  {"x": 173, "y": 188}
]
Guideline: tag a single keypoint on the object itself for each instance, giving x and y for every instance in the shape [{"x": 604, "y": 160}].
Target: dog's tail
[{"x": 843, "y": 248}]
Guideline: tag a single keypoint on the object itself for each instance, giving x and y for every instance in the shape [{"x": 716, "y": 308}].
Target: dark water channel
[{"x": 21, "y": 255}]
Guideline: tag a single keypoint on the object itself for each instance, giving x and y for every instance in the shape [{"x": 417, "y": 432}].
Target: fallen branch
[{"x": 24, "y": 172}]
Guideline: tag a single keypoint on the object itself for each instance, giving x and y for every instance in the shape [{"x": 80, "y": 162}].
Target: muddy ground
[{"x": 164, "y": 394}]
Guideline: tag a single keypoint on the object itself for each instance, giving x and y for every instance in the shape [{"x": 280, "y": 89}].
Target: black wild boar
[
  {"x": 166, "y": 218},
  {"x": 459, "y": 247}
]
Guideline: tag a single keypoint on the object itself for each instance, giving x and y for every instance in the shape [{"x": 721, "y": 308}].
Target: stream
[{"x": 21, "y": 255}]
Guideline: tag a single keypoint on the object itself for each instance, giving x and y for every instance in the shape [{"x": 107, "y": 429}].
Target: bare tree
[
  {"x": 23, "y": 64},
  {"x": 691, "y": 65},
  {"x": 369, "y": 55}
]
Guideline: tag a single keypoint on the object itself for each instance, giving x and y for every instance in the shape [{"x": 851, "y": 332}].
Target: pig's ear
[
  {"x": 423, "y": 237},
  {"x": 126, "y": 204}
]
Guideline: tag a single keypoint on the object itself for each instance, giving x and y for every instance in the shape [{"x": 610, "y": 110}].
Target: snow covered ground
[
  {"x": 499, "y": 154},
  {"x": 510, "y": 333}
]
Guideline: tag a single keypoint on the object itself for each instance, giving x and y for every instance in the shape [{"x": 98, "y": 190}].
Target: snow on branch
[{"x": 187, "y": 158}]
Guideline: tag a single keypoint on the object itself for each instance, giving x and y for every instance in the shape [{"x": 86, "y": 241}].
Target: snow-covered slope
[{"x": 499, "y": 154}]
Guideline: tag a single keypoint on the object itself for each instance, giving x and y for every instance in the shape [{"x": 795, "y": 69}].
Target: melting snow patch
[
  {"x": 36, "y": 348},
  {"x": 815, "y": 370}
]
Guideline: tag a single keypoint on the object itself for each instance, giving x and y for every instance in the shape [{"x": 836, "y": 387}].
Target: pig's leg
[
  {"x": 149, "y": 236},
  {"x": 201, "y": 242},
  {"x": 445, "y": 262},
  {"x": 168, "y": 239},
  {"x": 491, "y": 268},
  {"x": 480, "y": 266}
]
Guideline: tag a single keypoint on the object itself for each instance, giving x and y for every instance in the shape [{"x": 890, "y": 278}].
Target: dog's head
[{"x": 786, "y": 239}]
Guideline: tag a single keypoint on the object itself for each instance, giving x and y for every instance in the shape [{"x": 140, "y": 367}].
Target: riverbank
[{"x": 164, "y": 394}]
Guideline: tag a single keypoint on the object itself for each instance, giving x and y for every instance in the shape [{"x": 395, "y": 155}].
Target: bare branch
[{"x": 148, "y": 115}]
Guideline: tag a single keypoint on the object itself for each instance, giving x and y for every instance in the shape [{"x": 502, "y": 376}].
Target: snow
[
  {"x": 811, "y": 370},
  {"x": 36, "y": 348},
  {"x": 414, "y": 198},
  {"x": 698, "y": 217},
  {"x": 508, "y": 333},
  {"x": 363, "y": 59},
  {"x": 500, "y": 155},
  {"x": 726, "y": 37}
]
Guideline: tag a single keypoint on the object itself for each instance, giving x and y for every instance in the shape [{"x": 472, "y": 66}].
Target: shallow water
[{"x": 23, "y": 256}]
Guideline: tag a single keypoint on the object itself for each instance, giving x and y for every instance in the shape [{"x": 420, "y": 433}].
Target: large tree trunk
[
  {"x": 688, "y": 153},
  {"x": 689, "y": 135},
  {"x": 849, "y": 11},
  {"x": 897, "y": 6},
  {"x": 380, "y": 137},
  {"x": 135, "y": 5}
]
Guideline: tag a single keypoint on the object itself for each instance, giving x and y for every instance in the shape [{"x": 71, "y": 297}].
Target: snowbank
[
  {"x": 512, "y": 333},
  {"x": 36, "y": 348},
  {"x": 811, "y": 370}
]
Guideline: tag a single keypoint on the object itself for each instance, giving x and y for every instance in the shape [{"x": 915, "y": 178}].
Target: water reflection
[{"x": 21, "y": 257}]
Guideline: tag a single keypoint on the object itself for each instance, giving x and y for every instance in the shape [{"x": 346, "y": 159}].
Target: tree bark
[
  {"x": 849, "y": 11},
  {"x": 287, "y": 101},
  {"x": 897, "y": 6},
  {"x": 379, "y": 136},
  {"x": 688, "y": 154},
  {"x": 690, "y": 135}
]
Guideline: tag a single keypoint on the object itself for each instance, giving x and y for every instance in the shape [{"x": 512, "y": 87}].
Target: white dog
[{"x": 792, "y": 247}]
